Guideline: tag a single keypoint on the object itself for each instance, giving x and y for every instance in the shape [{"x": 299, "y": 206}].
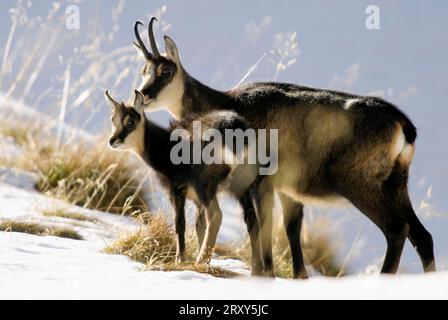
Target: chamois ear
[
  {"x": 171, "y": 50},
  {"x": 139, "y": 101},
  {"x": 114, "y": 104}
]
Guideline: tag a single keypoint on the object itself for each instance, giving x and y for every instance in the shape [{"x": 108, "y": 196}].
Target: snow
[
  {"x": 19, "y": 178},
  {"x": 48, "y": 267},
  {"x": 55, "y": 268},
  {"x": 10, "y": 149},
  {"x": 28, "y": 206},
  {"x": 52, "y": 268}
]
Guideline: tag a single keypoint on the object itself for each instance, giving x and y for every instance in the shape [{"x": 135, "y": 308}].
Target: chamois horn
[
  {"x": 152, "y": 40},
  {"x": 140, "y": 43}
]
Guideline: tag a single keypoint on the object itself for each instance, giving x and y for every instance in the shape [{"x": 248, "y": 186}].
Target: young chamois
[
  {"x": 332, "y": 146},
  {"x": 132, "y": 131}
]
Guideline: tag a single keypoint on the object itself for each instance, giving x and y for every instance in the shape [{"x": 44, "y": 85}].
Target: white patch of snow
[
  {"x": 52, "y": 268},
  {"x": 33, "y": 267},
  {"x": 18, "y": 178},
  {"x": 28, "y": 206},
  {"x": 10, "y": 149}
]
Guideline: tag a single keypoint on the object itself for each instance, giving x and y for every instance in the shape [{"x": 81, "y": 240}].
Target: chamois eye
[
  {"x": 130, "y": 124},
  {"x": 166, "y": 72}
]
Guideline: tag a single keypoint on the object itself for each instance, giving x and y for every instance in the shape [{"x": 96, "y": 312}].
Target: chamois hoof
[
  {"x": 202, "y": 261},
  {"x": 256, "y": 272},
  {"x": 269, "y": 274},
  {"x": 431, "y": 267},
  {"x": 301, "y": 276},
  {"x": 180, "y": 258}
]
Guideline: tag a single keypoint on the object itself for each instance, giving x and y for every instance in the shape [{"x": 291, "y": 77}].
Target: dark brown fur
[
  {"x": 199, "y": 182},
  {"x": 332, "y": 145}
]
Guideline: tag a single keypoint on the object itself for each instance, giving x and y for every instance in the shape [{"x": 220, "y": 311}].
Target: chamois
[
  {"x": 332, "y": 146},
  {"x": 132, "y": 131}
]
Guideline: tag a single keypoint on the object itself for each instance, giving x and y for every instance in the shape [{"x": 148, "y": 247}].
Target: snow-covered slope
[{"x": 51, "y": 267}]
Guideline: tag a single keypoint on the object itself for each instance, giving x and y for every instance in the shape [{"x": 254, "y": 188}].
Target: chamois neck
[
  {"x": 157, "y": 147},
  {"x": 199, "y": 98}
]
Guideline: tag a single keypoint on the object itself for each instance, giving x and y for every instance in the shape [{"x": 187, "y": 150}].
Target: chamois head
[
  {"x": 162, "y": 74},
  {"x": 128, "y": 124}
]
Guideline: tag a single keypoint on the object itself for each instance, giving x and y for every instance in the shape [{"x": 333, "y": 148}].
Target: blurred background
[{"x": 58, "y": 72}]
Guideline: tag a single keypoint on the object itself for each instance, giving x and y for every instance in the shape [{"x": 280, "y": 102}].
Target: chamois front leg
[
  {"x": 178, "y": 202},
  {"x": 292, "y": 219},
  {"x": 265, "y": 203},
  {"x": 214, "y": 219},
  {"x": 253, "y": 228},
  {"x": 200, "y": 224}
]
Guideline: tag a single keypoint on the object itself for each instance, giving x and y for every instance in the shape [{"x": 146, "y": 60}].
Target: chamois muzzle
[{"x": 114, "y": 142}]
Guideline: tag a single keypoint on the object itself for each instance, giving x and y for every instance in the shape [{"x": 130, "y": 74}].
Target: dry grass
[
  {"x": 88, "y": 175},
  {"x": 191, "y": 266},
  {"x": 18, "y": 133},
  {"x": 153, "y": 244},
  {"x": 68, "y": 215},
  {"x": 319, "y": 251},
  {"x": 93, "y": 178},
  {"x": 155, "y": 247},
  {"x": 39, "y": 230}
]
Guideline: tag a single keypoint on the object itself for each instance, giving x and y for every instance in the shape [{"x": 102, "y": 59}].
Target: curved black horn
[
  {"x": 152, "y": 40},
  {"x": 140, "y": 43}
]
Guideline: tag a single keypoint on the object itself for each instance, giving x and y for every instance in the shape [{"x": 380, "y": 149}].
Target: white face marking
[
  {"x": 134, "y": 141},
  {"x": 170, "y": 97},
  {"x": 149, "y": 77}
]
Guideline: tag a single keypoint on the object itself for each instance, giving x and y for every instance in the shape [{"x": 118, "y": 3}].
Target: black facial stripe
[
  {"x": 153, "y": 90},
  {"x": 130, "y": 114},
  {"x": 123, "y": 134}
]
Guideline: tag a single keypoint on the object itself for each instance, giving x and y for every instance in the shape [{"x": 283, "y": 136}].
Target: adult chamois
[
  {"x": 332, "y": 146},
  {"x": 200, "y": 182}
]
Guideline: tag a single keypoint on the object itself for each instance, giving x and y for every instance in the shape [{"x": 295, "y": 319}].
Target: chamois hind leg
[
  {"x": 214, "y": 219},
  {"x": 422, "y": 241},
  {"x": 396, "y": 187},
  {"x": 253, "y": 228},
  {"x": 420, "y": 238},
  {"x": 292, "y": 219},
  {"x": 396, "y": 232},
  {"x": 381, "y": 208},
  {"x": 200, "y": 225},
  {"x": 264, "y": 199}
]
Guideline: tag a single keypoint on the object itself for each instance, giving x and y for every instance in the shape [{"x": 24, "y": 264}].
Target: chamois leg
[
  {"x": 380, "y": 206},
  {"x": 201, "y": 225},
  {"x": 214, "y": 219},
  {"x": 178, "y": 201},
  {"x": 396, "y": 232},
  {"x": 422, "y": 241},
  {"x": 420, "y": 238},
  {"x": 292, "y": 219},
  {"x": 394, "y": 228},
  {"x": 253, "y": 228},
  {"x": 265, "y": 204}
]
